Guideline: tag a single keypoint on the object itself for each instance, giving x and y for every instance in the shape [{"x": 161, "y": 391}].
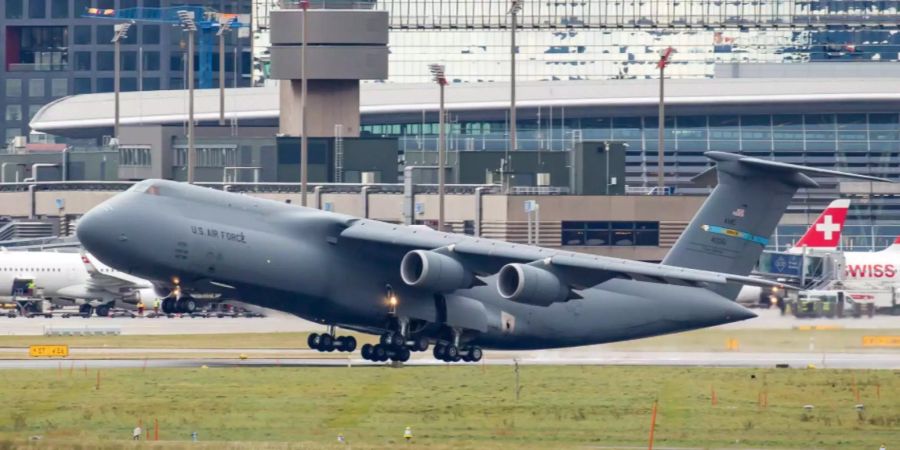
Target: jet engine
[
  {"x": 434, "y": 271},
  {"x": 532, "y": 285}
]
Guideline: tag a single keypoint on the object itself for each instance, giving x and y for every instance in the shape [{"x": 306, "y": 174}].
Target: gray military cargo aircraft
[{"x": 418, "y": 287}]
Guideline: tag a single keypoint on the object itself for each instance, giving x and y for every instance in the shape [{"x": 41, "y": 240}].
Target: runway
[
  {"x": 278, "y": 322},
  {"x": 308, "y": 358}
]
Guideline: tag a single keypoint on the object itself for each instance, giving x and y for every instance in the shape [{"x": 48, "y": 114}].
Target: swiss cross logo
[
  {"x": 828, "y": 227},
  {"x": 825, "y": 232}
]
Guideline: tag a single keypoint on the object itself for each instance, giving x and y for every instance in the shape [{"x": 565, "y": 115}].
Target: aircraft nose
[{"x": 96, "y": 230}]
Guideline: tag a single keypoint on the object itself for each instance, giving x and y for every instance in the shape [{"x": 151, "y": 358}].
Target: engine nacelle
[
  {"x": 434, "y": 271},
  {"x": 528, "y": 284}
]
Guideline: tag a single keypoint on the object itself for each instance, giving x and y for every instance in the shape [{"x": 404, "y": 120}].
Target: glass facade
[
  {"x": 621, "y": 39},
  {"x": 50, "y": 51}
]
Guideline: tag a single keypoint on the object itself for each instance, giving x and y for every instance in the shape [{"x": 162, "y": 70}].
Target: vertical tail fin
[
  {"x": 733, "y": 226},
  {"x": 825, "y": 232}
]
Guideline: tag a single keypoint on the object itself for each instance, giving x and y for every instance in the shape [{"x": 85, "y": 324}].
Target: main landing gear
[
  {"x": 393, "y": 346},
  {"x": 451, "y": 353},
  {"x": 327, "y": 342},
  {"x": 182, "y": 305}
]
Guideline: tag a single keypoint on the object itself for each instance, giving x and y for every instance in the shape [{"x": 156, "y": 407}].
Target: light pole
[
  {"x": 121, "y": 30},
  {"x": 664, "y": 59},
  {"x": 304, "y": 141},
  {"x": 223, "y": 27},
  {"x": 514, "y": 10},
  {"x": 188, "y": 24},
  {"x": 437, "y": 70}
]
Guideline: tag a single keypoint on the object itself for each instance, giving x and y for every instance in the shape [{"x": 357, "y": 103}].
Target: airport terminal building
[{"x": 844, "y": 122}]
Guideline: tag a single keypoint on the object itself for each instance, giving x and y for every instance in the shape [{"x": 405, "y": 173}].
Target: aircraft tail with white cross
[{"x": 825, "y": 232}]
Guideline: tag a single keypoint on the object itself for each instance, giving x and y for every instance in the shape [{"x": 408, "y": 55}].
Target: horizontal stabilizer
[{"x": 792, "y": 173}]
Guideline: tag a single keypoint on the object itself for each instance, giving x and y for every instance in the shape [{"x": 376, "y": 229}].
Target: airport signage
[
  {"x": 782, "y": 264},
  {"x": 48, "y": 351},
  {"x": 881, "y": 341}
]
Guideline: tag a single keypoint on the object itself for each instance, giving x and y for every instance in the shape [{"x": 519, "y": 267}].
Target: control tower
[{"x": 345, "y": 42}]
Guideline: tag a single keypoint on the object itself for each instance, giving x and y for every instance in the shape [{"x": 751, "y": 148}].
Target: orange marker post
[
  {"x": 155, "y": 429},
  {"x": 713, "y": 398},
  {"x": 653, "y": 423},
  {"x": 98, "y": 379}
]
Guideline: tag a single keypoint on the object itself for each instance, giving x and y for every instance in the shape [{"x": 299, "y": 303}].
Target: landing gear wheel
[
  {"x": 326, "y": 343},
  {"x": 103, "y": 310},
  {"x": 476, "y": 354},
  {"x": 190, "y": 305},
  {"x": 85, "y": 310},
  {"x": 313, "y": 341},
  {"x": 421, "y": 344},
  {"x": 403, "y": 355},
  {"x": 379, "y": 353},
  {"x": 440, "y": 351},
  {"x": 348, "y": 344},
  {"x": 367, "y": 352},
  {"x": 452, "y": 353}
]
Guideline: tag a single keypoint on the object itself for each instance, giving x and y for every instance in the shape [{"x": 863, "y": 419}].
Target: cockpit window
[{"x": 146, "y": 186}]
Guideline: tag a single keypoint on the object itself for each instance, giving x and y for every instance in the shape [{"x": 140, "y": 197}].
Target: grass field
[
  {"x": 451, "y": 407},
  {"x": 700, "y": 340}
]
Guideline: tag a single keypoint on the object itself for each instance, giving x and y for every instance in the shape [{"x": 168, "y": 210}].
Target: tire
[
  {"x": 379, "y": 353},
  {"x": 190, "y": 305},
  {"x": 452, "y": 352},
  {"x": 403, "y": 355},
  {"x": 476, "y": 354},
  {"x": 313, "y": 341},
  {"x": 439, "y": 351},
  {"x": 326, "y": 343},
  {"x": 349, "y": 344},
  {"x": 366, "y": 351},
  {"x": 422, "y": 344},
  {"x": 103, "y": 311},
  {"x": 85, "y": 310}
]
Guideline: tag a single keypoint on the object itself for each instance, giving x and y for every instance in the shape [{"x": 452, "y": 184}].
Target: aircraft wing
[
  {"x": 580, "y": 271},
  {"x": 105, "y": 281}
]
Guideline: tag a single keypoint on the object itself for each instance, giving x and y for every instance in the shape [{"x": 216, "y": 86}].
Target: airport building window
[
  {"x": 59, "y": 87},
  {"x": 106, "y": 61},
  {"x": 36, "y": 87},
  {"x": 151, "y": 61},
  {"x": 13, "y": 87},
  {"x": 59, "y": 9},
  {"x": 82, "y": 34},
  {"x": 83, "y": 61},
  {"x": 82, "y": 86},
  {"x": 14, "y": 9},
  {"x": 151, "y": 34},
  {"x": 134, "y": 155},
  {"x": 13, "y": 113},
  {"x": 32, "y": 110},
  {"x": 616, "y": 233},
  {"x": 208, "y": 156},
  {"x": 129, "y": 60},
  {"x": 37, "y": 9},
  {"x": 105, "y": 34},
  {"x": 30, "y": 49}
]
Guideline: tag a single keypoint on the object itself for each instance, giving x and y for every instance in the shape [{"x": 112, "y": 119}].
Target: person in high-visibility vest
[
  {"x": 140, "y": 307},
  {"x": 407, "y": 434},
  {"x": 31, "y": 288},
  {"x": 156, "y": 306}
]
